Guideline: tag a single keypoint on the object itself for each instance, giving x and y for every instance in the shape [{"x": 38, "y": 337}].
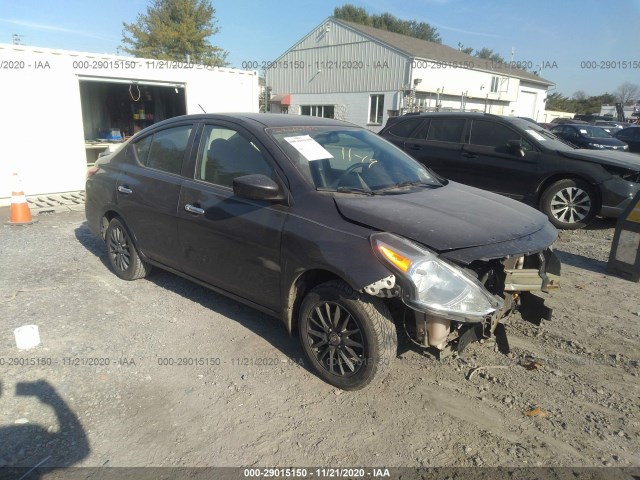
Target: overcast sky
[{"x": 583, "y": 43}]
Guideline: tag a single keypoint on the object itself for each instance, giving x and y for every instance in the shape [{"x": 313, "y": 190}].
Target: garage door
[{"x": 526, "y": 106}]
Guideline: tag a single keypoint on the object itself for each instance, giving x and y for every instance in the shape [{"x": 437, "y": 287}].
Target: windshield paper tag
[
  {"x": 308, "y": 147},
  {"x": 582, "y": 130},
  {"x": 536, "y": 135}
]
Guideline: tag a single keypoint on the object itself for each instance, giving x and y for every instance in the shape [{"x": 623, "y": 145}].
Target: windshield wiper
[
  {"x": 360, "y": 191},
  {"x": 404, "y": 184}
]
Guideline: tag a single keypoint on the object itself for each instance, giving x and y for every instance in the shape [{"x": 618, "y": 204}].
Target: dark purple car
[{"x": 326, "y": 226}]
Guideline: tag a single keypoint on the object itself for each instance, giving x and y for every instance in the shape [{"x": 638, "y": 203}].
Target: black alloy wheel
[
  {"x": 122, "y": 253},
  {"x": 348, "y": 337}
]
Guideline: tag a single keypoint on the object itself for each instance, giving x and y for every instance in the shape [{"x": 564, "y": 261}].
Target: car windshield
[
  {"x": 548, "y": 139},
  {"x": 594, "y": 132},
  {"x": 351, "y": 160}
]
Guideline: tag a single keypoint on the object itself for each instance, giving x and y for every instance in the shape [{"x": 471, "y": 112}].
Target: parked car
[
  {"x": 326, "y": 226},
  {"x": 518, "y": 159},
  {"x": 563, "y": 120},
  {"x": 590, "y": 137},
  {"x": 631, "y": 136},
  {"x": 610, "y": 127}
]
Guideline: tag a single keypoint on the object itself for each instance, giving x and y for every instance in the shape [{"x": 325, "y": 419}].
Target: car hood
[
  {"x": 605, "y": 141},
  {"x": 444, "y": 218},
  {"x": 609, "y": 157}
]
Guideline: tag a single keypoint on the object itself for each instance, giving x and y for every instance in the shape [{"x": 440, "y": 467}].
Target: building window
[
  {"x": 495, "y": 83},
  {"x": 376, "y": 109},
  {"x": 325, "y": 111}
]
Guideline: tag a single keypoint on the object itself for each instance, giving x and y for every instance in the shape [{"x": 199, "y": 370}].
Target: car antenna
[{"x": 203, "y": 110}]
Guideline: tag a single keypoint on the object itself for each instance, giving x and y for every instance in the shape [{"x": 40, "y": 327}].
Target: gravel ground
[{"x": 100, "y": 389}]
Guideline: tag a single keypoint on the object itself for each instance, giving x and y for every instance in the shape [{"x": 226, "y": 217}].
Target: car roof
[
  {"x": 265, "y": 119},
  {"x": 466, "y": 115},
  {"x": 580, "y": 125}
]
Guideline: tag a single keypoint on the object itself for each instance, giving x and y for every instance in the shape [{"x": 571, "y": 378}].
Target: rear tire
[
  {"x": 348, "y": 337},
  {"x": 122, "y": 253},
  {"x": 570, "y": 204}
]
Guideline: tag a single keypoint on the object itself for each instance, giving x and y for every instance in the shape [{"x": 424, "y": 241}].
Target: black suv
[{"x": 521, "y": 160}]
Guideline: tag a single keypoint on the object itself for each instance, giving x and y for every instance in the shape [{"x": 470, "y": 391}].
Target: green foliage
[
  {"x": 386, "y": 21},
  {"x": 580, "y": 103},
  {"x": 489, "y": 54},
  {"x": 175, "y": 30}
]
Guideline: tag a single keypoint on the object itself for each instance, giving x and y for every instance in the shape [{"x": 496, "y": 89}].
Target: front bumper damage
[{"x": 515, "y": 281}]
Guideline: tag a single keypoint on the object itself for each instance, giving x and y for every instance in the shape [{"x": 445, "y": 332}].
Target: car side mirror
[
  {"x": 515, "y": 147},
  {"x": 257, "y": 187}
]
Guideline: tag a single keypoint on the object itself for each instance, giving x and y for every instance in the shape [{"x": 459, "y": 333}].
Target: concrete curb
[{"x": 60, "y": 202}]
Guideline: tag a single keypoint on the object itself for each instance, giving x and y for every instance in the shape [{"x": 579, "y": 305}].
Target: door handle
[
  {"x": 469, "y": 155},
  {"x": 413, "y": 147},
  {"x": 125, "y": 190},
  {"x": 193, "y": 209}
]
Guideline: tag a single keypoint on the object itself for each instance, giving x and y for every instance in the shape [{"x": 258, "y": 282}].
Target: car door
[
  {"x": 489, "y": 163},
  {"x": 227, "y": 241},
  {"x": 630, "y": 136},
  {"x": 438, "y": 145},
  {"x": 148, "y": 190}
]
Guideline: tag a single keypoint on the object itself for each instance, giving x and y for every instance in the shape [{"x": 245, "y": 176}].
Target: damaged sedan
[{"x": 327, "y": 226}]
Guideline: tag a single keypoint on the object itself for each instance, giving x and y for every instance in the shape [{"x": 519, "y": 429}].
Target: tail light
[{"x": 91, "y": 171}]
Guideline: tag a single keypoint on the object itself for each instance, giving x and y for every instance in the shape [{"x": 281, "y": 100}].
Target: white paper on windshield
[
  {"x": 536, "y": 135},
  {"x": 308, "y": 147},
  {"x": 582, "y": 130}
]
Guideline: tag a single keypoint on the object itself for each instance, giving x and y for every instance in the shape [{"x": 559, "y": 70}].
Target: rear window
[{"x": 446, "y": 129}]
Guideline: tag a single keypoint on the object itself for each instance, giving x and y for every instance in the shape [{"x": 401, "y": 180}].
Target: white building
[
  {"x": 631, "y": 112},
  {"x": 363, "y": 75},
  {"x": 60, "y": 109}
]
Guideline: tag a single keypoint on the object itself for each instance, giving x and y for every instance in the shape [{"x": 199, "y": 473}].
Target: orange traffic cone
[{"x": 20, "y": 213}]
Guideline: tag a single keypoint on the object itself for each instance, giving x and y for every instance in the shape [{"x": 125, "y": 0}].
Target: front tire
[
  {"x": 569, "y": 204},
  {"x": 122, "y": 253},
  {"x": 348, "y": 337}
]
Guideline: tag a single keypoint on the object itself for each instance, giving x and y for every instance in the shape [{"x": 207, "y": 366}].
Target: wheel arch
[
  {"x": 108, "y": 215},
  {"x": 556, "y": 177},
  {"x": 298, "y": 288}
]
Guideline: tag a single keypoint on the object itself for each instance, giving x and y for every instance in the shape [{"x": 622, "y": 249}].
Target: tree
[
  {"x": 175, "y": 30},
  {"x": 579, "y": 95},
  {"x": 627, "y": 93},
  {"x": 489, "y": 54},
  {"x": 387, "y": 21},
  {"x": 579, "y": 103}
]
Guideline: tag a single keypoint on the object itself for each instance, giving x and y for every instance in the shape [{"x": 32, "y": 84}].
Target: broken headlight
[{"x": 435, "y": 285}]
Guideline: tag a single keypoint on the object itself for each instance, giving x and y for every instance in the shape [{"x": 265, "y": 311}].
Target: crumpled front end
[{"x": 453, "y": 299}]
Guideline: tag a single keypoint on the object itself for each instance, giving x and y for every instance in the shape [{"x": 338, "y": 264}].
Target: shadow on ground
[
  {"x": 267, "y": 327},
  {"x": 580, "y": 261},
  {"x": 25, "y": 446}
]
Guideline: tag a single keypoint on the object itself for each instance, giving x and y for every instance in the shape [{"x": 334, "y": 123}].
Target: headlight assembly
[{"x": 436, "y": 286}]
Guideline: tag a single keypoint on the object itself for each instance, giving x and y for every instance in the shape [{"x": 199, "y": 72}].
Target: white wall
[
  {"x": 549, "y": 115},
  {"x": 41, "y": 118},
  {"x": 350, "y": 107},
  {"x": 454, "y": 81}
]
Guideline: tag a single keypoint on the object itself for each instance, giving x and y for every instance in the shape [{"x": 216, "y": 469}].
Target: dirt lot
[{"x": 245, "y": 398}]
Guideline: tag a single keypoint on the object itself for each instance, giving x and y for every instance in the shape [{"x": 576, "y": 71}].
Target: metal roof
[{"x": 415, "y": 47}]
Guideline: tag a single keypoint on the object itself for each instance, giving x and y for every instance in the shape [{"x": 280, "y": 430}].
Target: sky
[{"x": 583, "y": 45}]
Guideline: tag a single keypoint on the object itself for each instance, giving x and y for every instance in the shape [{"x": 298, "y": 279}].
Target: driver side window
[
  {"x": 225, "y": 154},
  {"x": 496, "y": 135}
]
